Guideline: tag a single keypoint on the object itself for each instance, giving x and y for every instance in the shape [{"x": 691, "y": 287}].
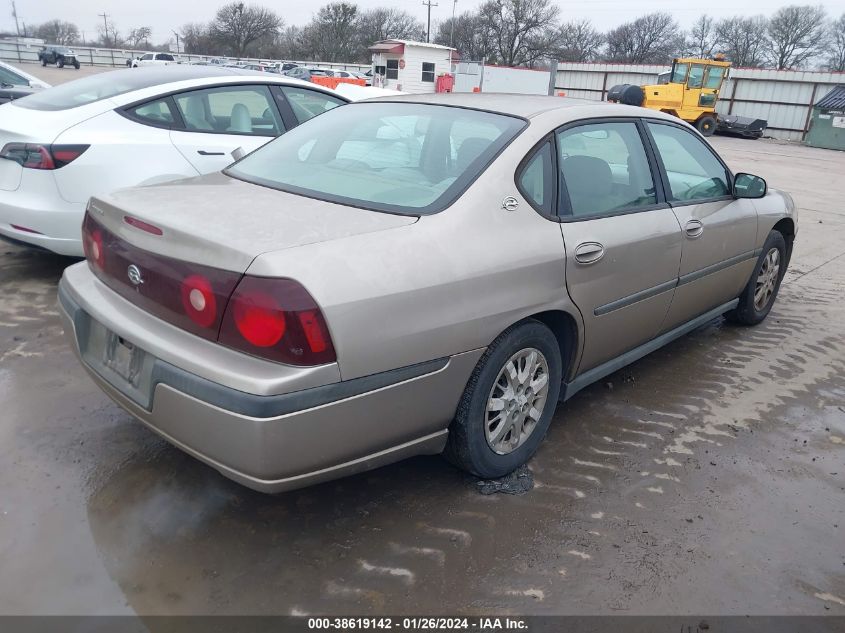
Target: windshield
[{"x": 398, "y": 157}]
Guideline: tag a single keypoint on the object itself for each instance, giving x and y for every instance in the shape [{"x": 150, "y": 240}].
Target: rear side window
[
  {"x": 537, "y": 179},
  {"x": 693, "y": 171},
  {"x": 307, "y": 104},
  {"x": 605, "y": 169},
  {"x": 247, "y": 110},
  {"x": 155, "y": 112}
]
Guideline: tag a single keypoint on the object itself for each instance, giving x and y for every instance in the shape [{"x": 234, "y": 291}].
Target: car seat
[
  {"x": 589, "y": 182},
  {"x": 240, "y": 122},
  {"x": 194, "y": 114}
]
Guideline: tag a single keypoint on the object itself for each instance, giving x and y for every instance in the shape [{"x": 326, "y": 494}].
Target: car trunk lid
[{"x": 219, "y": 221}]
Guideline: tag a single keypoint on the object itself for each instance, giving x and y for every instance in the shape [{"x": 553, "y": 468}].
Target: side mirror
[{"x": 749, "y": 186}]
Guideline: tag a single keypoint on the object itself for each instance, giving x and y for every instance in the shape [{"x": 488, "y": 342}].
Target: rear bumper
[
  {"x": 37, "y": 206},
  {"x": 287, "y": 441}
]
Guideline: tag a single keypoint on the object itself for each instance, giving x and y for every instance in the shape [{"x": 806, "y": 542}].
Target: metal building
[{"x": 827, "y": 128}]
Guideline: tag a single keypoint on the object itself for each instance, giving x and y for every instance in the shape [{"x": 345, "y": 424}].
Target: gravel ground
[{"x": 709, "y": 477}]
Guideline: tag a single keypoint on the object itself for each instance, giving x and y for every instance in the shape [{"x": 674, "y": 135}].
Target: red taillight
[
  {"x": 144, "y": 226},
  {"x": 198, "y": 300},
  {"x": 92, "y": 244},
  {"x": 38, "y": 156},
  {"x": 278, "y": 320}
]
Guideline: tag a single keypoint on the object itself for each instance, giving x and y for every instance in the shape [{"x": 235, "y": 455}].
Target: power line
[{"x": 429, "y": 4}]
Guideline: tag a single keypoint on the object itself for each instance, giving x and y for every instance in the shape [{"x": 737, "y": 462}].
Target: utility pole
[
  {"x": 178, "y": 51},
  {"x": 452, "y": 33},
  {"x": 105, "y": 16},
  {"x": 429, "y": 4},
  {"x": 15, "y": 15}
]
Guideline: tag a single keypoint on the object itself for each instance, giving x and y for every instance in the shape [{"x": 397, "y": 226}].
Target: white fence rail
[
  {"x": 11, "y": 51},
  {"x": 784, "y": 98}
]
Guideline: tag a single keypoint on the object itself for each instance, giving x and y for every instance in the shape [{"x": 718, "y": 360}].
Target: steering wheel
[{"x": 705, "y": 189}]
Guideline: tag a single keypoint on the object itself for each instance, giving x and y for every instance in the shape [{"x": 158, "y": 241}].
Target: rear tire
[
  {"x": 508, "y": 403},
  {"x": 759, "y": 296}
]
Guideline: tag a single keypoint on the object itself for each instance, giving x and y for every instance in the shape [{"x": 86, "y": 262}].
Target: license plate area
[
  {"x": 123, "y": 358},
  {"x": 120, "y": 362}
]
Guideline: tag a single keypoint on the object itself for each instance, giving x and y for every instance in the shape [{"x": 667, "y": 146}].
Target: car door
[
  {"x": 719, "y": 232},
  {"x": 219, "y": 120},
  {"x": 146, "y": 60},
  {"x": 623, "y": 242}
]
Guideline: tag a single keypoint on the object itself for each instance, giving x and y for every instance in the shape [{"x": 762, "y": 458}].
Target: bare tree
[
  {"x": 744, "y": 41},
  {"x": 386, "y": 23},
  {"x": 797, "y": 34},
  {"x": 109, "y": 35},
  {"x": 237, "y": 25},
  {"x": 468, "y": 33},
  {"x": 291, "y": 43},
  {"x": 702, "y": 37},
  {"x": 196, "y": 38},
  {"x": 332, "y": 34},
  {"x": 57, "y": 32},
  {"x": 577, "y": 41},
  {"x": 138, "y": 36},
  {"x": 522, "y": 31},
  {"x": 652, "y": 39},
  {"x": 836, "y": 40}
]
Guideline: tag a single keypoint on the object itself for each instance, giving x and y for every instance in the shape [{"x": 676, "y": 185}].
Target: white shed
[{"x": 410, "y": 66}]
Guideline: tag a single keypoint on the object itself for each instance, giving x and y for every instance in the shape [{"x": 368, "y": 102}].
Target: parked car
[
  {"x": 414, "y": 275},
  {"x": 305, "y": 74},
  {"x": 9, "y": 92},
  {"x": 132, "y": 127},
  {"x": 14, "y": 76},
  {"x": 286, "y": 66},
  {"x": 154, "y": 59},
  {"x": 256, "y": 67},
  {"x": 61, "y": 56}
]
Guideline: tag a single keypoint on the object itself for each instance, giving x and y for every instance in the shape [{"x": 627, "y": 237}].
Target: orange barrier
[{"x": 332, "y": 82}]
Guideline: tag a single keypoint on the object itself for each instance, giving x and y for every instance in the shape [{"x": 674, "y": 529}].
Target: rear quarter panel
[{"x": 449, "y": 283}]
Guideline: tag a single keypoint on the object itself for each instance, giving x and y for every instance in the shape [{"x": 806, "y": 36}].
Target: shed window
[
  {"x": 393, "y": 69},
  {"x": 428, "y": 71}
]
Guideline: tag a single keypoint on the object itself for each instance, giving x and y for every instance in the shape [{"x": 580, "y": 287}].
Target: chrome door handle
[
  {"x": 589, "y": 252},
  {"x": 694, "y": 229}
]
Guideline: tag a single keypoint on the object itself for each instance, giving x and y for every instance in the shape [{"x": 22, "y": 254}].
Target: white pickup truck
[{"x": 154, "y": 59}]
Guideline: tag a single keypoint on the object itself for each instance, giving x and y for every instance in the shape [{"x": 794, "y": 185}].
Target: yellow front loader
[{"x": 689, "y": 91}]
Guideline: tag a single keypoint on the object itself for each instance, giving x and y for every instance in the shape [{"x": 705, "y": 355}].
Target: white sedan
[{"x": 94, "y": 135}]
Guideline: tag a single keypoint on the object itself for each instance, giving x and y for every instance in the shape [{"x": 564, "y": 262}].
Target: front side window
[
  {"x": 679, "y": 73},
  {"x": 537, "y": 179},
  {"x": 306, "y": 104},
  {"x": 147, "y": 57},
  {"x": 693, "y": 170},
  {"x": 8, "y": 77},
  {"x": 428, "y": 71},
  {"x": 398, "y": 157},
  {"x": 696, "y": 76},
  {"x": 605, "y": 169},
  {"x": 230, "y": 110},
  {"x": 393, "y": 69}
]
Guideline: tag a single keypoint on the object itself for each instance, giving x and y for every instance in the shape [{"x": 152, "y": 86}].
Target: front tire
[
  {"x": 76, "y": 65},
  {"x": 759, "y": 296},
  {"x": 508, "y": 403},
  {"x": 706, "y": 125},
  {"x": 43, "y": 62},
  {"x": 60, "y": 63}
]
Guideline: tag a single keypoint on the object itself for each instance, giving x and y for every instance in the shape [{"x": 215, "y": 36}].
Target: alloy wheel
[
  {"x": 516, "y": 400},
  {"x": 767, "y": 279}
]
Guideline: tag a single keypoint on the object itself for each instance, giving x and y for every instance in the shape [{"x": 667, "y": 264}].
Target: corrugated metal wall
[{"x": 783, "y": 97}]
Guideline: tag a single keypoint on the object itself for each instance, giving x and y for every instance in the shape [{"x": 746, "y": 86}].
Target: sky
[{"x": 163, "y": 16}]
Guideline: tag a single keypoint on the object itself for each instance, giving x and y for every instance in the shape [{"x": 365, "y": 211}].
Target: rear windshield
[{"x": 398, "y": 157}]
